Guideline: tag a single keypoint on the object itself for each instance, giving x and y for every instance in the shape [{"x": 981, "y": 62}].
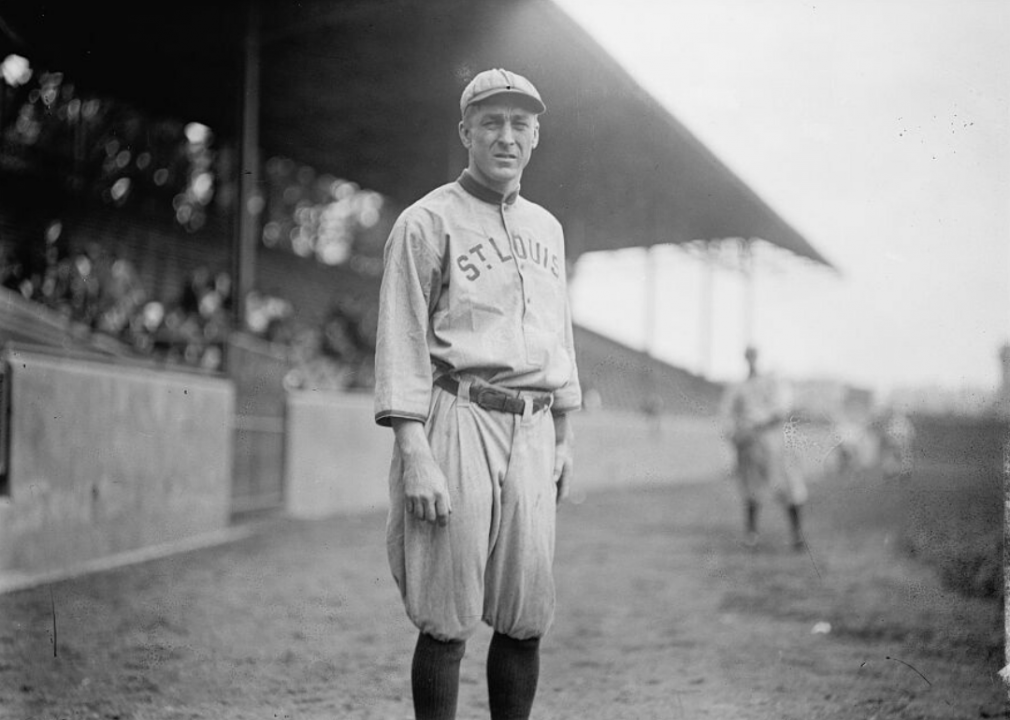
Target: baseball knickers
[{"x": 493, "y": 561}]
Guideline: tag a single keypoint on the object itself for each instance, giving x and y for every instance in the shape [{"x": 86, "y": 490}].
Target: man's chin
[{"x": 499, "y": 177}]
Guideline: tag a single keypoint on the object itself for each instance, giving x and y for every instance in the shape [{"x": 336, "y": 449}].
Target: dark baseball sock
[
  {"x": 513, "y": 668},
  {"x": 752, "y": 517},
  {"x": 434, "y": 677}
]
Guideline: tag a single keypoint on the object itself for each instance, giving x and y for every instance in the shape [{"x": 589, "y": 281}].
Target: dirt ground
[{"x": 662, "y": 613}]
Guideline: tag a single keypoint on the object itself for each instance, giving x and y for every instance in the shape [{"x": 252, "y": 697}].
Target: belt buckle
[{"x": 490, "y": 399}]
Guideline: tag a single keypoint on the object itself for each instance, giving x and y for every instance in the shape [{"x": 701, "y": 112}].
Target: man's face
[{"x": 501, "y": 138}]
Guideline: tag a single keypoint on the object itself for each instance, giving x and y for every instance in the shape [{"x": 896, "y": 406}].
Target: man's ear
[
  {"x": 464, "y": 133},
  {"x": 536, "y": 133}
]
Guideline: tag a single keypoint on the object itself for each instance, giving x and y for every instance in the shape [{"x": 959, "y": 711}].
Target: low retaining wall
[
  {"x": 623, "y": 449},
  {"x": 338, "y": 459},
  {"x": 107, "y": 458}
]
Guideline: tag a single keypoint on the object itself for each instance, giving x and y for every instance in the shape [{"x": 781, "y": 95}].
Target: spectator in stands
[
  {"x": 10, "y": 269},
  {"x": 757, "y": 413}
]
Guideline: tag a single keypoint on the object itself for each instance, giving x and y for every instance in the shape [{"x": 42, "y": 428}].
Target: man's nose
[{"x": 507, "y": 136}]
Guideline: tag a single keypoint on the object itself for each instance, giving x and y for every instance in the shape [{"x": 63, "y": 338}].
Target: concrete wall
[
  {"x": 623, "y": 449},
  {"x": 338, "y": 459},
  {"x": 108, "y": 458}
]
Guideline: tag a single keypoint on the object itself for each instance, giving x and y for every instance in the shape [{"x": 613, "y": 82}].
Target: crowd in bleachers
[
  {"x": 337, "y": 354},
  {"x": 97, "y": 291},
  {"x": 100, "y": 293}
]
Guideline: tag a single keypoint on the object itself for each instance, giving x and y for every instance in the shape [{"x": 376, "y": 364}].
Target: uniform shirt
[
  {"x": 757, "y": 402},
  {"x": 474, "y": 284}
]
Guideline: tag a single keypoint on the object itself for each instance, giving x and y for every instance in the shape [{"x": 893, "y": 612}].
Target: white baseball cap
[{"x": 501, "y": 82}]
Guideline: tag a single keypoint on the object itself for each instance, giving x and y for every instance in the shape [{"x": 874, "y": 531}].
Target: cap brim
[{"x": 524, "y": 99}]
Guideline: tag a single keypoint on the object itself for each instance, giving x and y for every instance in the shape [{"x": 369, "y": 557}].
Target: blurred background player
[
  {"x": 895, "y": 437},
  {"x": 757, "y": 411}
]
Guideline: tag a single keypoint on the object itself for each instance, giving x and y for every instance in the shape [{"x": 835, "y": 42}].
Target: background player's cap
[{"x": 501, "y": 82}]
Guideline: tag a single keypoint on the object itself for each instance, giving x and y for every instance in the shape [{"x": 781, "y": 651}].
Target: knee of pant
[
  {"x": 444, "y": 628},
  {"x": 449, "y": 649}
]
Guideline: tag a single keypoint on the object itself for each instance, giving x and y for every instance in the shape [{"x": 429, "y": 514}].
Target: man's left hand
[{"x": 563, "y": 455}]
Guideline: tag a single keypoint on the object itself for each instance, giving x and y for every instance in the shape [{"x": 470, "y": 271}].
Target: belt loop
[
  {"x": 527, "y": 408},
  {"x": 463, "y": 393}
]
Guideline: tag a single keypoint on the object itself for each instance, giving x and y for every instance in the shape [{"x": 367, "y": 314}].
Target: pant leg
[
  {"x": 752, "y": 470},
  {"x": 440, "y": 570},
  {"x": 786, "y": 476},
  {"x": 519, "y": 584}
]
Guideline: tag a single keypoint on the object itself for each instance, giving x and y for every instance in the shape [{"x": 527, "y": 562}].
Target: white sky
[{"x": 880, "y": 129}]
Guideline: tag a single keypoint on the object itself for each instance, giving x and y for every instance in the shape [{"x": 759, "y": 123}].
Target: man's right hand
[
  {"x": 425, "y": 487},
  {"x": 426, "y": 490}
]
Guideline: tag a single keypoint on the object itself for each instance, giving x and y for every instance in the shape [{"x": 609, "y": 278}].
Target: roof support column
[
  {"x": 651, "y": 404},
  {"x": 249, "y": 206},
  {"x": 747, "y": 263},
  {"x": 707, "y": 305}
]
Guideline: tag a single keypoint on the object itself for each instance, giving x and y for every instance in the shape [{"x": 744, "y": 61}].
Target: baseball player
[
  {"x": 756, "y": 412},
  {"x": 476, "y": 374},
  {"x": 896, "y": 436}
]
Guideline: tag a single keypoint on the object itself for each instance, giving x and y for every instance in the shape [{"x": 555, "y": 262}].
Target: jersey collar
[{"x": 483, "y": 192}]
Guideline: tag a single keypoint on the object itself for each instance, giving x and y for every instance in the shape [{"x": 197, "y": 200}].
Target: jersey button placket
[
  {"x": 505, "y": 208},
  {"x": 515, "y": 258}
]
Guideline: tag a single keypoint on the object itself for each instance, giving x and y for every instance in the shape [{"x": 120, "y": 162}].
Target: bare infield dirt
[{"x": 662, "y": 614}]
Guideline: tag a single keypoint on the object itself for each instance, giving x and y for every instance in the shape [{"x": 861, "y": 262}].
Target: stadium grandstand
[{"x": 210, "y": 184}]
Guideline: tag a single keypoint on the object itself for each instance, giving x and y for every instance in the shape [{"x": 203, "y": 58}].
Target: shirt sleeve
[
  {"x": 411, "y": 282},
  {"x": 569, "y": 396}
]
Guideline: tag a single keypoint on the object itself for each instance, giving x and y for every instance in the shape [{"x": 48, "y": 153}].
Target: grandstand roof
[{"x": 368, "y": 90}]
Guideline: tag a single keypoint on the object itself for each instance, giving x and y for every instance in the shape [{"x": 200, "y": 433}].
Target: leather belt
[{"x": 491, "y": 398}]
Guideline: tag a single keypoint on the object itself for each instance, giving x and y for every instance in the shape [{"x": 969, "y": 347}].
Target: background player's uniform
[
  {"x": 896, "y": 437},
  {"x": 475, "y": 289},
  {"x": 755, "y": 410}
]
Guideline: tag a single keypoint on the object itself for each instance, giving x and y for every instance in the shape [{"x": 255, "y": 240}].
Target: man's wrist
[{"x": 411, "y": 438}]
